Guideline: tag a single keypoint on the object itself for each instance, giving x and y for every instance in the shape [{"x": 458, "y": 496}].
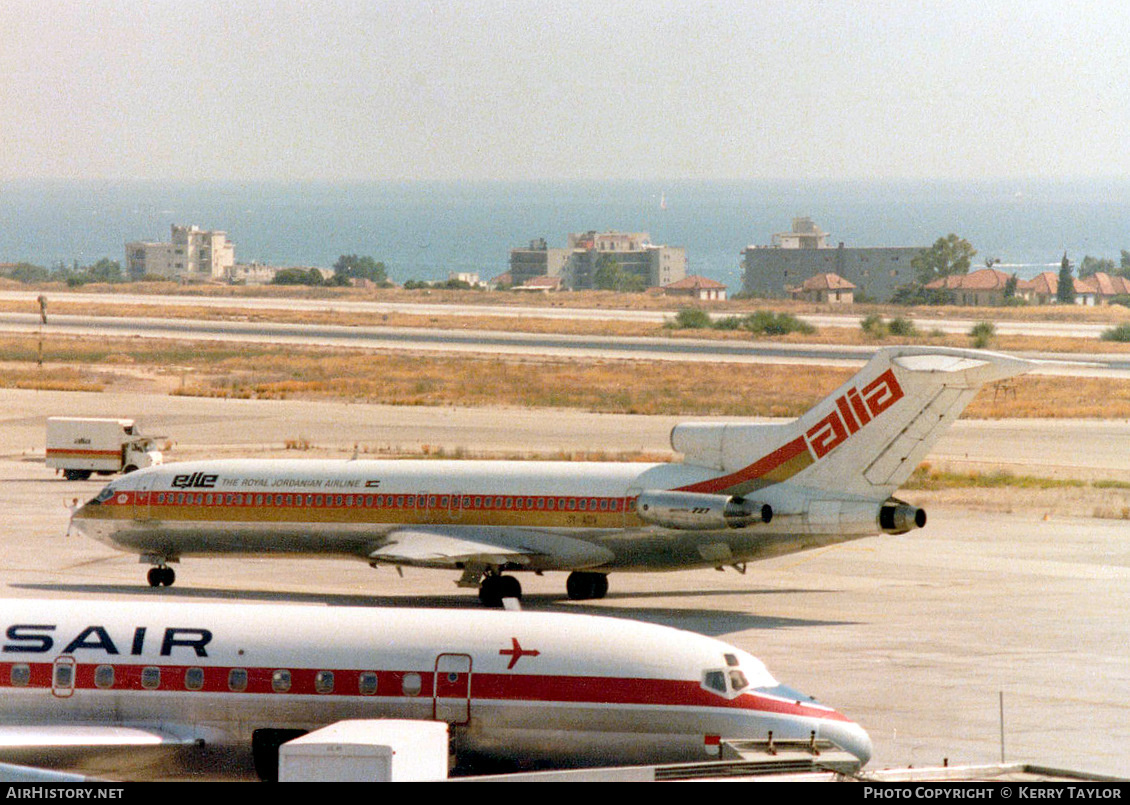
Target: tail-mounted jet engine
[
  {"x": 896, "y": 517},
  {"x": 695, "y": 511}
]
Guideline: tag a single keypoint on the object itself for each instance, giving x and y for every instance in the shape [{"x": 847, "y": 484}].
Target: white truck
[{"x": 81, "y": 446}]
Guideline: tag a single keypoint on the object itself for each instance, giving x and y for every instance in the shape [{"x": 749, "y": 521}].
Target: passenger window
[
  {"x": 20, "y": 675},
  {"x": 411, "y": 685},
  {"x": 367, "y": 683},
  {"x": 280, "y": 681},
  {"x": 194, "y": 678},
  {"x": 104, "y": 676},
  {"x": 324, "y": 682},
  {"x": 237, "y": 679},
  {"x": 151, "y": 677},
  {"x": 64, "y": 676}
]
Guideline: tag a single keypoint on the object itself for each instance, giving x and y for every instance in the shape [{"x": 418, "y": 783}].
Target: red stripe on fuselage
[{"x": 548, "y": 689}]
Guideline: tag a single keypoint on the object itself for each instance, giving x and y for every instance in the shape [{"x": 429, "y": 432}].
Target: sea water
[{"x": 427, "y": 230}]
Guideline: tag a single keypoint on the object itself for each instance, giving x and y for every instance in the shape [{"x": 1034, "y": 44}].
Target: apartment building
[{"x": 191, "y": 254}]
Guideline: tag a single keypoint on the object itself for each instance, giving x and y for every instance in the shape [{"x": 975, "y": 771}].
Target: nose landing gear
[{"x": 161, "y": 576}]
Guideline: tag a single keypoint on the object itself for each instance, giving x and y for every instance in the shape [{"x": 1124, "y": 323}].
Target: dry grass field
[
  {"x": 400, "y": 378},
  {"x": 851, "y": 335}
]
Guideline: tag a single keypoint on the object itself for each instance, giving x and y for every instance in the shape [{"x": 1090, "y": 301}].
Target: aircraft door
[
  {"x": 631, "y": 519},
  {"x": 142, "y": 498},
  {"x": 456, "y": 503},
  {"x": 451, "y": 690}
]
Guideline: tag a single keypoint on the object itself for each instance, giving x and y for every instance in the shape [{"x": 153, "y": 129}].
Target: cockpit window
[
  {"x": 715, "y": 681},
  {"x": 106, "y": 493},
  {"x": 731, "y": 660},
  {"x": 738, "y": 681}
]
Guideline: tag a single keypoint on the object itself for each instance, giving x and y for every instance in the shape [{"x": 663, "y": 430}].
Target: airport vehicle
[
  {"x": 128, "y": 681},
  {"x": 744, "y": 491},
  {"x": 81, "y": 446}
]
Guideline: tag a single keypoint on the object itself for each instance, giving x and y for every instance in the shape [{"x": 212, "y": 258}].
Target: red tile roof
[
  {"x": 827, "y": 282},
  {"x": 694, "y": 282},
  {"x": 985, "y": 279}
]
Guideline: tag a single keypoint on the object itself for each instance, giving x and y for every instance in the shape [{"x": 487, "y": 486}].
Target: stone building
[
  {"x": 793, "y": 257},
  {"x": 579, "y": 261},
  {"x": 191, "y": 254}
]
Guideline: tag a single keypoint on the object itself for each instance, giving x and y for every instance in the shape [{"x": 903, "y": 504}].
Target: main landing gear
[
  {"x": 162, "y": 576},
  {"x": 586, "y": 586},
  {"x": 580, "y": 586}
]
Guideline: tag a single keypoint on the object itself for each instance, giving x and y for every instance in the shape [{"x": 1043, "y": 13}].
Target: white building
[{"x": 193, "y": 253}]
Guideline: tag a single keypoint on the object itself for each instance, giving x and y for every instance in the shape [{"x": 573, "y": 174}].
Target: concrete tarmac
[{"x": 919, "y": 637}]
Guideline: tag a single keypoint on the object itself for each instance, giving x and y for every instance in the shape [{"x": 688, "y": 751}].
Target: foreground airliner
[
  {"x": 130, "y": 684},
  {"x": 744, "y": 491}
]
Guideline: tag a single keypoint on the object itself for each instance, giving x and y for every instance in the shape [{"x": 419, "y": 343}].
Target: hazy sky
[{"x": 358, "y": 91}]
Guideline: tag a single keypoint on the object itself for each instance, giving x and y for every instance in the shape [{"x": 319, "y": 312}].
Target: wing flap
[
  {"x": 442, "y": 548},
  {"x": 437, "y": 549}
]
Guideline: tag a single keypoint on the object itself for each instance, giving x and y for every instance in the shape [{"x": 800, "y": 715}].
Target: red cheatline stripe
[
  {"x": 495, "y": 687},
  {"x": 57, "y": 453},
  {"x": 759, "y": 469}
]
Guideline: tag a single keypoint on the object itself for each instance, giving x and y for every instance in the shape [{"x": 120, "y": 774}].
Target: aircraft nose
[{"x": 849, "y": 736}]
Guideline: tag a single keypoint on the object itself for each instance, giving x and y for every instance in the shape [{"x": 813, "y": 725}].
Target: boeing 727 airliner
[{"x": 743, "y": 491}]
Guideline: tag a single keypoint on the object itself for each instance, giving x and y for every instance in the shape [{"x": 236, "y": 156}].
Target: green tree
[
  {"x": 1092, "y": 265},
  {"x": 352, "y": 266},
  {"x": 948, "y": 256},
  {"x": 611, "y": 276},
  {"x": 1065, "y": 290},
  {"x": 1010, "y": 287},
  {"x": 26, "y": 272},
  {"x": 299, "y": 276}
]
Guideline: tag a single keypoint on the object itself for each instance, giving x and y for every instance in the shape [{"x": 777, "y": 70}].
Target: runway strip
[{"x": 502, "y": 343}]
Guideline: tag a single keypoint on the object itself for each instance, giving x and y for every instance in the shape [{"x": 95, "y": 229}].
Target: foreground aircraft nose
[{"x": 849, "y": 736}]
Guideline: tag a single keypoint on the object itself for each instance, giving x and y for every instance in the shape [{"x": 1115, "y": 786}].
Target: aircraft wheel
[
  {"x": 77, "y": 475},
  {"x": 494, "y": 588},
  {"x": 161, "y": 577},
  {"x": 586, "y": 586},
  {"x": 510, "y": 587}
]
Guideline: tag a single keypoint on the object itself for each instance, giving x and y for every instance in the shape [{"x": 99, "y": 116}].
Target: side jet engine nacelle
[
  {"x": 695, "y": 511},
  {"x": 896, "y": 517}
]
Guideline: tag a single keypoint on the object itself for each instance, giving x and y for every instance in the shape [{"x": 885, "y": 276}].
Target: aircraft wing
[
  {"x": 81, "y": 737},
  {"x": 440, "y": 547}
]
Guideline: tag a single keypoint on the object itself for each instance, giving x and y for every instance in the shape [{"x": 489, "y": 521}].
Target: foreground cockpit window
[{"x": 715, "y": 682}]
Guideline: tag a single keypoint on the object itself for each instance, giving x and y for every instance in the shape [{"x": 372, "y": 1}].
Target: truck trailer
[{"x": 82, "y": 446}]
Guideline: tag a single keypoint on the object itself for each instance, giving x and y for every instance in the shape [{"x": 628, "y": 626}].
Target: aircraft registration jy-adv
[
  {"x": 135, "y": 689},
  {"x": 743, "y": 491}
]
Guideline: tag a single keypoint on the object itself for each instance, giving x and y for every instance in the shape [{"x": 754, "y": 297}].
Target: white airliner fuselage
[
  {"x": 744, "y": 491},
  {"x": 88, "y": 678}
]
